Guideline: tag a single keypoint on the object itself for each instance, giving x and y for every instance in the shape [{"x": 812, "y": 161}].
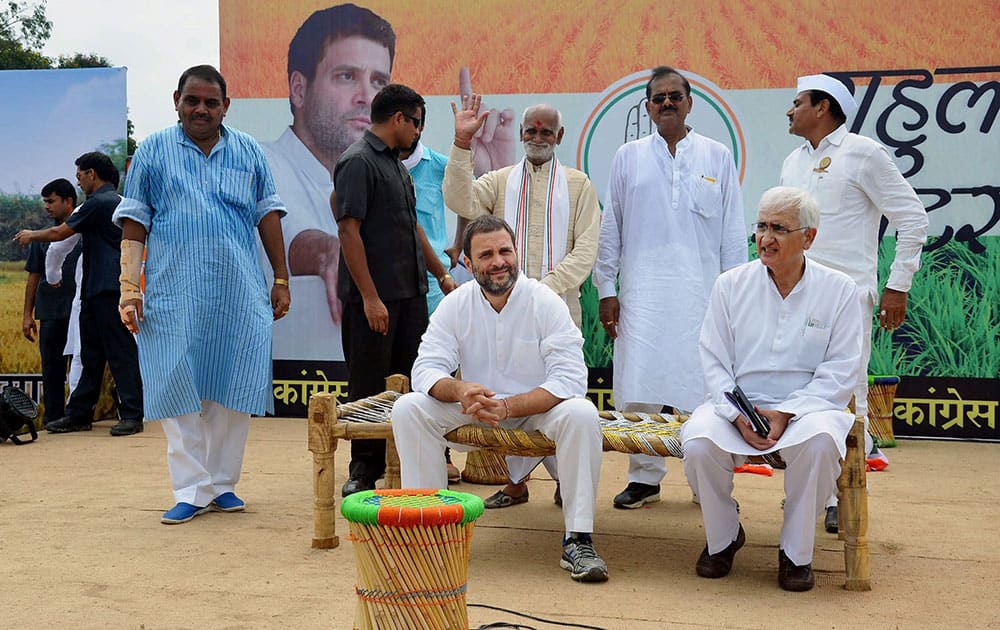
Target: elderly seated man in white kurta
[
  {"x": 787, "y": 330},
  {"x": 522, "y": 366}
]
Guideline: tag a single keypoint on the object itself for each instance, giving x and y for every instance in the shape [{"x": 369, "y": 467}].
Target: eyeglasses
[
  {"x": 776, "y": 228},
  {"x": 661, "y": 98},
  {"x": 413, "y": 119}
]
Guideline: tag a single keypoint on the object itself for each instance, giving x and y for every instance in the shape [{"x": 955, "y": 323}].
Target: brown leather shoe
[
  {"x": 792, "y": 577},
  {"x": 719, "y": 565}
]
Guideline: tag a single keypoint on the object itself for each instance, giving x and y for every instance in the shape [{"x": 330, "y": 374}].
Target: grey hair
[
  {"x": 785, "y": 197},
  {"x": 529, "y": 108}
]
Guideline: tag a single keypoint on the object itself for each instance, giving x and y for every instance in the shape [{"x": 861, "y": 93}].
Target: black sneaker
[
  {"x": 582, "y": 561},
  {"x": 635, "y": 495}
]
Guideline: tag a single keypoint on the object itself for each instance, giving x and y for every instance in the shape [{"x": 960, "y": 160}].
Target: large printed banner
[
  {"x": 51, "y": 117},
  {"x": 928, "y": 88}
]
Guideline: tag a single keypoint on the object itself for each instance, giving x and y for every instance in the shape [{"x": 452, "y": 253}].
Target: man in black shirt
[
  {"x": 51, "y": 305},
  {"x": 103, "y": 336},
  {"x": 384, "y": 262}
]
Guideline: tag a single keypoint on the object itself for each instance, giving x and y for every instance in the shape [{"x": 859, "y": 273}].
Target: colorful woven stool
[
  {"x": 881, "y": 394},
  {"x": 412, "y": 553}
]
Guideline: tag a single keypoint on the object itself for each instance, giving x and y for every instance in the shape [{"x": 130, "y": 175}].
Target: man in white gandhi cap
[{"x": 856, "y": 183}]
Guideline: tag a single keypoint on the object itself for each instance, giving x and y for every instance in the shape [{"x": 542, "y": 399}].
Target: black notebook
[{"x": 759, "y": 423}]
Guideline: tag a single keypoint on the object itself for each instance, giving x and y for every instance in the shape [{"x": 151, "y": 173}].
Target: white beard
[{"x": 537, "y": 153}]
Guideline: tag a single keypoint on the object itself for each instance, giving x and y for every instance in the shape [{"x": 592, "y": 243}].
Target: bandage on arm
[{"x": 131, "y": 273}]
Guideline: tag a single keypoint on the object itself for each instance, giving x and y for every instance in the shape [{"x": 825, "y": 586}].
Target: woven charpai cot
[
  {"x": 643, "y": 433},
  {"x": 412, "y": 553},
  {"x": 881, "y": 394}
]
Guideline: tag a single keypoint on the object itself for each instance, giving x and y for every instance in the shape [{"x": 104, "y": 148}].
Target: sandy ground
[{"x": 81, "y": 546}]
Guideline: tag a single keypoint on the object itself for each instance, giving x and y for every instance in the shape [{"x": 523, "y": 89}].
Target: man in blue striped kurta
[{"x": 193, "y": 195}]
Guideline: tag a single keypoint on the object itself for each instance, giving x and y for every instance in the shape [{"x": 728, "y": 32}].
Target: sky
[
  {"x": 49, "y": 105},
  {"x": 155, "y": 39}
]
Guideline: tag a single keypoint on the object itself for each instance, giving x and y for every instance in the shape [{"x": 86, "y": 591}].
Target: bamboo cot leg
[
  {"x": 392, "y": 476},
  {"x": 322, "y": 444},
  {"x": 401, "y": 384},
  {"x": 853, "y": 511}
]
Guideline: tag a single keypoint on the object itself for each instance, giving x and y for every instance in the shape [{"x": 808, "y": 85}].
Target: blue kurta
[
  {"x": 206, "y": 333},
  {"x": 427, "y": 177}
]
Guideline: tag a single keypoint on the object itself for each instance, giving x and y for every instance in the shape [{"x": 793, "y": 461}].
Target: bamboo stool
[
  {"x": 648, "y": 434},
  {"x": 411, "y": 548}
]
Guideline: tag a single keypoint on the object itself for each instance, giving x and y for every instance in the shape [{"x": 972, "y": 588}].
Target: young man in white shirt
[
  {"x": 521, "y": 360},
  {"x": 856, "y": 183}
]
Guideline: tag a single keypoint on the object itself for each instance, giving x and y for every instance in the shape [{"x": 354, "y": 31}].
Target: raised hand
[
  {"x": 494, "y": 141},
  {"x": 468, "y": 119}
]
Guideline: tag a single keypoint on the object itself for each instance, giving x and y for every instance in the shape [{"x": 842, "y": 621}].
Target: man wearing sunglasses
[
  {"x": 672, "y": 222},
  {"x": 382, "y": 280},
  {"x": 856, "y": 183}
]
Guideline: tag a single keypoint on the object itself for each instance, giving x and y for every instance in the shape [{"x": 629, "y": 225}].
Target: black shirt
[
  {"x": 102, "y": 241},
  {"x": 53, "y": 302},
  {"x": 373, "y": 185}
]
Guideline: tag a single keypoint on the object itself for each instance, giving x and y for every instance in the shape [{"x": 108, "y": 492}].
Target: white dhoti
[
  {"x": 205, "y": 452},
  {"x": 811, "y": 447},
  {"x": 419, "y": 423}
]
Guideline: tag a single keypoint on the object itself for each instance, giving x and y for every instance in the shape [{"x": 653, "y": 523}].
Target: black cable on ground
[{"x": 501, "y": 624}]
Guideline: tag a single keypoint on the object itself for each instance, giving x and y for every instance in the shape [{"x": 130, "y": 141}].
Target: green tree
[
  {"x": 24, "y": 29},
  {"x": 80, "y": 60},
  {"x": 25, "y": 23}
]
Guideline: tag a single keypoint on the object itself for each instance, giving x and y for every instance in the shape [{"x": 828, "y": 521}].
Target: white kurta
[
  {"x": 798, "y": 354},
  {"x": 670, "y": 226},
  {"x": 858, "y": 184},
  {"x": 307, "y": 332},
  {"x": 531, "y": 342}
]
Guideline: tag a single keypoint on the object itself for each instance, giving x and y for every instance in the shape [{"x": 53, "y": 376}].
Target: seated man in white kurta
[
  {"x": 787, "y": 330},
  {"x": 522, "y": 366}
]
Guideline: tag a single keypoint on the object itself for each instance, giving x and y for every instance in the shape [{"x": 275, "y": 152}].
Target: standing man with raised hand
[
  {"x": 194, "y": 195},
  {"x": 104, "y": 338},
  {"x": 673, "y": 221},
  {"x": 51, "y": 304},
  {"x": 856, "y": 183},
  {"x": 553, "y": 211},
  {"x": 384, "y": 262}
]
